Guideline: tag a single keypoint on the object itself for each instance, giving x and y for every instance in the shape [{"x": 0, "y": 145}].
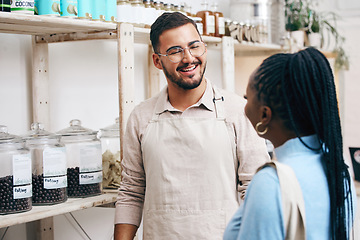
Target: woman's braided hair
[{"x": 300, "y": 90}]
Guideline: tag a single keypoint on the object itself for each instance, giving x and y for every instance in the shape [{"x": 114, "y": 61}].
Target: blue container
[
  {"x": 84, "y": 9},
  {"x": 47, "y": 7},
  {"x": 111, "y": 11},
  {"x": 98, "y": 10},
  {"x": 69, "y": 8}
]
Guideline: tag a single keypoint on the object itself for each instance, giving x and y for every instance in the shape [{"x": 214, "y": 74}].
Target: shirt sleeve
[
  {"x": 131, "y": 193},
  {"x": 251, "y": 151},
  {"x": 261, "y": 216}
]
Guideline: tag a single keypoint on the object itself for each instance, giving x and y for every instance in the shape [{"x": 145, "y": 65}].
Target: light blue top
[{"x": 260, "y": 216}]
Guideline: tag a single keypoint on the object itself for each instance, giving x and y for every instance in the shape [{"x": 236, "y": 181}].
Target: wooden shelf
[
  {"x": 256, "y": 49},
  {"x": 72, "y": 204},
  {"x": 41, "y": 25}
]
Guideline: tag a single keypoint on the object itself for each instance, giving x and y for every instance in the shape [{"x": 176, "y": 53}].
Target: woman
[{"x": 291, "y": 101}]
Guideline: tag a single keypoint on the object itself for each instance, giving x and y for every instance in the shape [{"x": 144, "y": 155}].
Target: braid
[{"x": 300, "y": 90}]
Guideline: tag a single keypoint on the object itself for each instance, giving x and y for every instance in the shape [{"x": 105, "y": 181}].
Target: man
[{"x": 191, "y": 146}]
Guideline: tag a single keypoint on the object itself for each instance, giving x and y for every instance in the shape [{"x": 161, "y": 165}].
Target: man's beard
[{"x": 181, "y": 83}]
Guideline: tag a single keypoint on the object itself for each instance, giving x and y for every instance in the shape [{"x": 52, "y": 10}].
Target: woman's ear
[
  {"x": 266, "y": 115},
  {"x": 156, "y": 61}
]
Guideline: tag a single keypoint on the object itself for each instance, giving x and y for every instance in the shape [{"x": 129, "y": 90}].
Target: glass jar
[
  {"x": 138, "y": 13},
  {"x": 110, "y": 143},
  {"x": 83, "y": 156},
  {"x": 168, "y": 8},
  {"x": 219, "y": 21},
  {"x": 124, "y": 11},
  {"x": 149, "y": 13},
  {"x": 227, "y": 24},
  {"x": 159, "y": 8},
  {"x": 49, "y": 180},
  {"x": 208, "y": 19},
  {"x": 15, "y": 174}
]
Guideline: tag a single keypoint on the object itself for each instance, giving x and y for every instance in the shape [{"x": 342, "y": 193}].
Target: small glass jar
[
  {"x": 159, "y": 8},
  {"x": 110, "y": 143},
  {"x": 48, "y": 156},
  {"x": 15, "y": 174},
  {"x": 149, "y": 13},
  {"x": 167, "y": 7},
  {"x": 227, "y": 24},
  {"x": 83, "y": 156},
  {"x": 138, "y": 13},
  {"x": 124, "y": 11}
]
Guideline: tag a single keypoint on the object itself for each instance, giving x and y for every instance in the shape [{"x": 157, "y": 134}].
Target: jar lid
[
  {"x": 37, "y": 131},
  {"x": 5, "y": 137},
  {"x": 196, "y": 19},
  {"x": 112, "y": 130},
  {"x": 76, "y": 129}
]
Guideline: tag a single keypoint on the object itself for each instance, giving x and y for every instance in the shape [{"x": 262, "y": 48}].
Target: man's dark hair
[{"x": 165, "y": 22}]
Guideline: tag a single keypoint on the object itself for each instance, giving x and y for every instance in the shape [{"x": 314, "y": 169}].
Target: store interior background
[{"x": 83, "y": 85}]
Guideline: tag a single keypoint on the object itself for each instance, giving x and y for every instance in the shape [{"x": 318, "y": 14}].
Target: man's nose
[{"x": 187, "y": 56}]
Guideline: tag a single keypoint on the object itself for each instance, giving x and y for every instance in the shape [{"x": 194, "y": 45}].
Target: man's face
[{"x": 188, "y": 73}]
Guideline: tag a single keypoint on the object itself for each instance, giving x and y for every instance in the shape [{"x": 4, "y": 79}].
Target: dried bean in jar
[
  {"x": 75, "y": 189},
  {"x": 43, "y": 196},
  {"x": 7, "y": 202}
]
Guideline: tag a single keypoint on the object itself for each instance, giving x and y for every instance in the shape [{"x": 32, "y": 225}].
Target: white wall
[{"x": 83, "y": 78}]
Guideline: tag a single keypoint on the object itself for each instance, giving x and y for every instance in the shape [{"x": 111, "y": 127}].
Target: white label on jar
[
  {"x": 22, "y": 192},
  {"x": 55, "y": 182},
  {"x": 90, "y": 157},
  {"x": 22, "y": 169},
  {"x": 210, "y": 23},
  {"x": 89, "y": 178},
  {"x": 124, "y": 13},
  {"x": 54, "y": 161},
  {"x": 221, "y": 26}
]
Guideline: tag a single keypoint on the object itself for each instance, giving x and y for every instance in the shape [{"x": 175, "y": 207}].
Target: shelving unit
[
  {"x": 41, "y": 212},
  {"x": 46, "y": 30}
]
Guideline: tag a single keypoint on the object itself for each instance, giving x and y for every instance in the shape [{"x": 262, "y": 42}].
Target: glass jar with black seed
[
  {"x": 49, "y": 170},
  {"x": 15, "y": 174},
  {"x": 84, "y": 163}
]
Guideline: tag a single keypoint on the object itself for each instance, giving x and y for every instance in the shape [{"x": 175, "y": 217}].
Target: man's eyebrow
[{"x": 189, "y": 44}]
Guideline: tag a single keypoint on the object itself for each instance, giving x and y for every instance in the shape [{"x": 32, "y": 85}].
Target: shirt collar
[
  {"x": 294, "y": 145},
  {"x": 206, "y": 100}
]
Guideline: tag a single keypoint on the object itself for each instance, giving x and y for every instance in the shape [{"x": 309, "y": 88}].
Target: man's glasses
[{"x": 176, "y": 54}]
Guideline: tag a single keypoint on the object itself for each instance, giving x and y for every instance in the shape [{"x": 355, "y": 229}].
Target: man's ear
[
  {"x": 156, "y": 61},
  {"x": 266, "y": 115}
]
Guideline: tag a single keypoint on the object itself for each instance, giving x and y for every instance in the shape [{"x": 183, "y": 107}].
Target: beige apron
[{"x": 190, "y": 166}]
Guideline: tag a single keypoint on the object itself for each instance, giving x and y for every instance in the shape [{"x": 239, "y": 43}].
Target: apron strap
[{"x": 292, "y": 201}]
